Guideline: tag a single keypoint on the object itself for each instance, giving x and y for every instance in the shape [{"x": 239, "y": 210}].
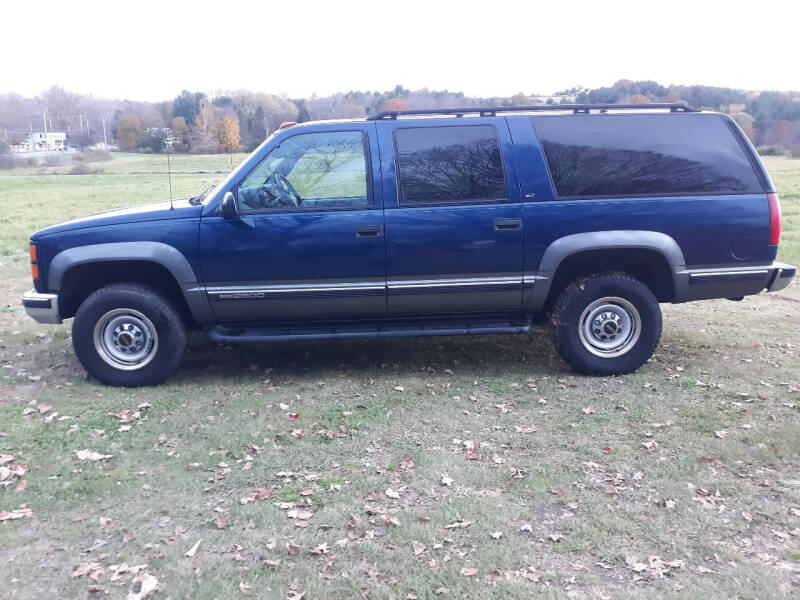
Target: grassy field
[{"x": 414, "y": 468}]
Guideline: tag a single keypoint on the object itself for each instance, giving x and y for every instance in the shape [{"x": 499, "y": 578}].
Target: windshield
[{"x": 206, "y": 196}]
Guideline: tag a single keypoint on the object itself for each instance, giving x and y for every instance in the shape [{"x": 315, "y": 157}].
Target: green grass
[{"x": 693, "y": 458}]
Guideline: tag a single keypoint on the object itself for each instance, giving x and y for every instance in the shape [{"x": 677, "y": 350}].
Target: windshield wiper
[{"x": 194, "y": 201}]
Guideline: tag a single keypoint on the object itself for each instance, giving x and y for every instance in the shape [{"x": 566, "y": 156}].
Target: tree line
[{"x": 226, "y": 121}]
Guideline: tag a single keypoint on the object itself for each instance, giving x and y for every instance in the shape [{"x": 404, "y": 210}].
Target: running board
[{"x": 249, "y": 332}]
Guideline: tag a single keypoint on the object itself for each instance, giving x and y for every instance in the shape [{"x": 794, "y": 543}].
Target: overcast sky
[{"x": 148, "y": 50}]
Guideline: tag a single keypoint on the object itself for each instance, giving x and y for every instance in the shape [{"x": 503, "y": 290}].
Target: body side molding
[
  {"x": 156, "y": 252},
  {"x": 604, "y": 240}
]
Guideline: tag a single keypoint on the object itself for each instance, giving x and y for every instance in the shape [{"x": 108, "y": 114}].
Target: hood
[{"x": 156, "y": 211}]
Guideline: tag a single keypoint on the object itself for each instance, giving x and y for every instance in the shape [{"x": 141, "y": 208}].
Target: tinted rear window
[
  {"x": 450, "y": 164},
  {"x": 640, "y": 155}
]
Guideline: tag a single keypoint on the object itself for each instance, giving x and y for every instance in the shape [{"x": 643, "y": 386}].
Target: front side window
[
  {"x": 449, "y": 165},
  {"x": 640, "y": 155},
  {"x": 311, "y": 171}
]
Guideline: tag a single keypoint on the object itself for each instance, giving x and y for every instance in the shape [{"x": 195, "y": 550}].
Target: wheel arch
[
  {"x": 653, "y": 248},
  {"x": 76, "y": 272}
]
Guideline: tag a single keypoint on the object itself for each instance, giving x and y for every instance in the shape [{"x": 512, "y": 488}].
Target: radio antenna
[{"x": 169, "y": 174}]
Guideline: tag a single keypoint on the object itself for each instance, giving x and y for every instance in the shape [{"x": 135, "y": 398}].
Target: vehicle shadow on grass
[{"x": 491, "y": 355}]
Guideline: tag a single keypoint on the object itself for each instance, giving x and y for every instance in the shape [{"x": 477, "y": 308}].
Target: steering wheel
[
  {"x": 287, "y": 188},
  {"x": 264, "y": 197}
]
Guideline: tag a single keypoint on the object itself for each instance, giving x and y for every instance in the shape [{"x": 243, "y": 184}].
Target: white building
[{"x": 50, "y": 140}]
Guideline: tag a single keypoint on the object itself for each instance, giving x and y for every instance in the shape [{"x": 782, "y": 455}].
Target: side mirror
[{"x": 228, "y": 207}]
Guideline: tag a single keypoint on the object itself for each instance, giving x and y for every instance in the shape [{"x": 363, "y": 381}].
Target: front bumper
[{"x": 41, "y": 307}]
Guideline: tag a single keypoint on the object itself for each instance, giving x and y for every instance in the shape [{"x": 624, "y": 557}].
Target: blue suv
[{"x": 409, "y": 223}]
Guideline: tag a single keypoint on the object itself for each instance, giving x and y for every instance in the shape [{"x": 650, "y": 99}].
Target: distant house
[
  {"x": 163, "y": 133},
  {"x": 48, "y": 141}
]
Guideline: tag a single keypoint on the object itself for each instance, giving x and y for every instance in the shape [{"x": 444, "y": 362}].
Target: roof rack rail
[{"x": 493, "y": 110}]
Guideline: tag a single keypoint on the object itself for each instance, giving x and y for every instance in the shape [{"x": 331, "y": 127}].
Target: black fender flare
[
  {"x": 159, "y": 253},
  {"x": 568, "y": 245}
]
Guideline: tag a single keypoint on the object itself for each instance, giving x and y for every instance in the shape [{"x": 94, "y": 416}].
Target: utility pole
[
  {"x": 44, "y": 121},
  {"x": 105, "y": 140}
]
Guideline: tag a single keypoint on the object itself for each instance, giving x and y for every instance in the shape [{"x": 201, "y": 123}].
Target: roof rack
[{"x": 493, "y": 110}]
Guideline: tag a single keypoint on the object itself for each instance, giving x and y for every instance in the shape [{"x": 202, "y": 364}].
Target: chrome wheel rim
[
  {"x": 609, "y": 327},
  {"x": 125, "y": 339}
]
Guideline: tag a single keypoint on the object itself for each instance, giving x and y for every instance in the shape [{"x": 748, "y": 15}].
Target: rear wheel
[
  {"x": 607, "y": 324},
  {"x": 128, "y": 335}
]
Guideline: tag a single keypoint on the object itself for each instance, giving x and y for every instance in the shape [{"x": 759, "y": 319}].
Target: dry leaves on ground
[{"x": 91, "y": 455}]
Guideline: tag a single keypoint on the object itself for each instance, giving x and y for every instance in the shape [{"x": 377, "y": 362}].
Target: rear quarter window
[{"x": 644, "y": 155}]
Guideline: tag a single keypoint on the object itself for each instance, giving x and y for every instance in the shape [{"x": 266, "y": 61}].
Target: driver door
[{"x": 308, "y": 241}]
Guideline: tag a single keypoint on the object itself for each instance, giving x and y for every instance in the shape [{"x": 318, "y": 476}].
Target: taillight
[
  {"x": 774, "y": 218},
  {"x": 34, "y": 252}
]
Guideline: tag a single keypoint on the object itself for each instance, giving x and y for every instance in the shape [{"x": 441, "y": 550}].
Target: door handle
[
  {"x": 506, "y": 224},
  {"x": 369, "y": 231}
]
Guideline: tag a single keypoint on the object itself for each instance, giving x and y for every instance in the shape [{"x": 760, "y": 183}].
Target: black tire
[
  {"x": 145, "y": 322},
  {"x": 615, "y": 300}
]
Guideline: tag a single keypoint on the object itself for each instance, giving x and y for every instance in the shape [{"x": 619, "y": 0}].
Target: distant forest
[{"x": 240, "y": 120}]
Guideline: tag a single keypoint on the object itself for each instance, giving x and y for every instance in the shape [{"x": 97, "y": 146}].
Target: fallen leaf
[
  {"x": 469, "y": 571},
  {"x": 244, "y": 588},
  {"x": 721, "y": 434},
  {"x": 588, "y": 410},
  {"x": 147, "y": 585},
  {"x": 496, "y": 535},
  {"x": 21, "y": 486},
  {"x": 323, "y": 548},
  {"x": 258, "y": 494},
  {"x": 292, "y": 549},
  {"x": 458, "y": 525},
  {"x": 390, "y": 520},
  {"x": 91, "y": 455},
  {"x": 103, "y": 521},
  {"x": 446, "y": 480},
  {"x": 399, "y": 388},
  {"x": 418, "y": 547},
  {"x": 193, "y": 550},
  {"x": 271, "y": 562},
  {"x": 127, "y": 536},
  {"x": 294, "y": 416},
  {"x": 86, "y": 568},
  {"x": 441, "y": 591},
  {"x": 221, "y": 522},
  {"x": 44, "y": 409},
  {"x": 392, "y": 493}
]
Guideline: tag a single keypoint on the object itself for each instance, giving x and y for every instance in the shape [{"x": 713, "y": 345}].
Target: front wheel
[
  {"x": 128, "y": 335},
  {"x": 606, "y": 324}
]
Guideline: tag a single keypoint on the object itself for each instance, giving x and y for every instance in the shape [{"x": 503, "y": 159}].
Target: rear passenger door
[{"x": 453, "y": 216}]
